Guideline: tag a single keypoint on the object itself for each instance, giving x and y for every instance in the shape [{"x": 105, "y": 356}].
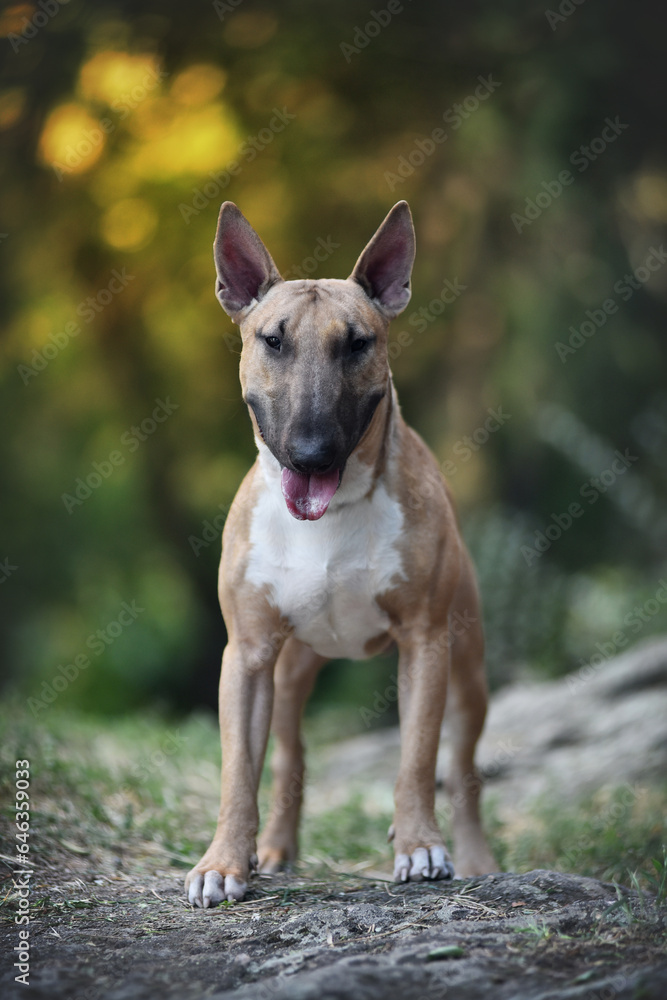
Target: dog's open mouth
[{"x": 307, "y": 497}]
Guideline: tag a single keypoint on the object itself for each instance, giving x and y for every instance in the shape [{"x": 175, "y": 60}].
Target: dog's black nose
[{"x": 312, "y": 455}]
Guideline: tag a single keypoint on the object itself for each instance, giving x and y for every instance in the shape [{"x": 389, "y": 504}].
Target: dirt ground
[
  {"x": 544, "y": 935},
  {"x": 110, "y": 848}
]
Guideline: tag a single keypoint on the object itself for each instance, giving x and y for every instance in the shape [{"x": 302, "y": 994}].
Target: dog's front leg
[
  {"x": 246, "y": 697},
  {"x": 295, "y": 673},
  {"x": 420, "y": 851}
]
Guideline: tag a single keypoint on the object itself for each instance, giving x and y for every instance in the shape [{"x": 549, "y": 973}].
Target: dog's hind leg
[
  {"x": 466, "y": 710},
  {"x": 295, "y": 673}
]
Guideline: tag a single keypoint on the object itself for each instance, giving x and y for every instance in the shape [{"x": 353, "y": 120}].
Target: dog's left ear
[
  {"x": 384, "y": 267},
  {"x": 244, "y": 266}
]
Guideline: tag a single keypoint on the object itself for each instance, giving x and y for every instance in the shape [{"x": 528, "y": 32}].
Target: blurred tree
[{"x": 527, "y": 143}]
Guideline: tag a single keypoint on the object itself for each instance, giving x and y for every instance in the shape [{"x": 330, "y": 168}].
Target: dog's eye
[
  {"x": 273, "y": 342},
  {"x": 359, "y": 344}
]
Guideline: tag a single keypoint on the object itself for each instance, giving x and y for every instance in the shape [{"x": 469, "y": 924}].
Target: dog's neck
[{"x": 375, "y": 444}]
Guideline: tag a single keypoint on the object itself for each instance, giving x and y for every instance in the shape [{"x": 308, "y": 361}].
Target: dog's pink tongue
[{"x": 307, "y": 497}]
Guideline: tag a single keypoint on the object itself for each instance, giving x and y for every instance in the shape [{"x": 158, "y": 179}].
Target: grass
[
  {"x": 142, "y": 790},
  {"x": 616, "y": 835},
  {"x": 132, "y": 786},
  {"x": 361, "y": 834},
  {"x": 538, "y": 930}
]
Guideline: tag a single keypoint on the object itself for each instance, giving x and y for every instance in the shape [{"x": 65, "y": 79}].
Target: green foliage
[
  {"x": 542, "y": 616},
  {"x": 657, "y": 879},
  {"x": 126, "y": 788},
  {"x": 143, "y": 789},
  {"x": 121, "y": 123},
  {"x": 348, "y": 834},
  {"x": 538, "y": 930},
  {"x": 609, "y": 836}
]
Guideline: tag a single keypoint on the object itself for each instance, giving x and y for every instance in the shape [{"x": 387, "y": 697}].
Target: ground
[
  {"x": 540, "y": 934},
  {"x": 121, "y": 808}
]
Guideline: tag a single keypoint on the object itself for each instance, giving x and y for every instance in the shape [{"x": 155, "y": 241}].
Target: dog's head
[{"x": 314, "y": 363}]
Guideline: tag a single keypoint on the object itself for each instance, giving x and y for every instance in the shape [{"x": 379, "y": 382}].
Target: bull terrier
[{"x": 341, "y": 540}]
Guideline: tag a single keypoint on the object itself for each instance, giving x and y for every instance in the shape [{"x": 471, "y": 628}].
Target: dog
[{"x": 341, "y": 540}]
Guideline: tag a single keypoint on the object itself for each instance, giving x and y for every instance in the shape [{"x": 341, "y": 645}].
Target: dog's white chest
[{"x": 324, "y": 575}]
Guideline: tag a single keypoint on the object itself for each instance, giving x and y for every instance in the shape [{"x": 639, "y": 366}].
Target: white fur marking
[{"x": 325, "y": 575}]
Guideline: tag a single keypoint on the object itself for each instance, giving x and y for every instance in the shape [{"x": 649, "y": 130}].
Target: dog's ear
[
  {"x": 244, "y": 266},
  {"x": 384, "y": 267}
]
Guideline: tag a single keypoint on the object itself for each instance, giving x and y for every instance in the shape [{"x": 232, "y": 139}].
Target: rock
[
  {"x": 538, "y": 936},
  {"x": 600, "y": 726},
  {"x": 603, "y": 726}
]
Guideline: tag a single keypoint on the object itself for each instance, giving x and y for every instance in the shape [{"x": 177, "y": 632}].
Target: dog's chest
[{"x": 324, "y": 576}]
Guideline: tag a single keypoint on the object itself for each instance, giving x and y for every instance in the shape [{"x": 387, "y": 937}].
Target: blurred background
[{"x": 530, "y": 144}]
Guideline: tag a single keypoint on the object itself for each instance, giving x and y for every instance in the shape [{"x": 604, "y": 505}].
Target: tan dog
[{"x": 341, "y": 540}]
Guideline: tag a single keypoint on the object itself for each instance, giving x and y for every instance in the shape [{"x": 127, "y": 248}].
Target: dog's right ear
[{"x": 244, "y": 266}]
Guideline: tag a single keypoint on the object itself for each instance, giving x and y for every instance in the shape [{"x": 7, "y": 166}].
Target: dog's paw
[
  {"x": 207, "y": 885},
  {"x": 424, "y": 863},
  {"x": 274, "y": 859},
  {"x": 472, "y": 853},
  {"x": 212, "y": 888}
]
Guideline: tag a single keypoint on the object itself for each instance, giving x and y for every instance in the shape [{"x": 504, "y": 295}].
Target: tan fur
[{"x": 267, "y": 673}]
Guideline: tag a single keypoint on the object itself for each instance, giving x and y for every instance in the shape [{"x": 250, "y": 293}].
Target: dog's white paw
[
  {"x": 212, "y": 888},
  {"x": 424, "y": 863}
]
